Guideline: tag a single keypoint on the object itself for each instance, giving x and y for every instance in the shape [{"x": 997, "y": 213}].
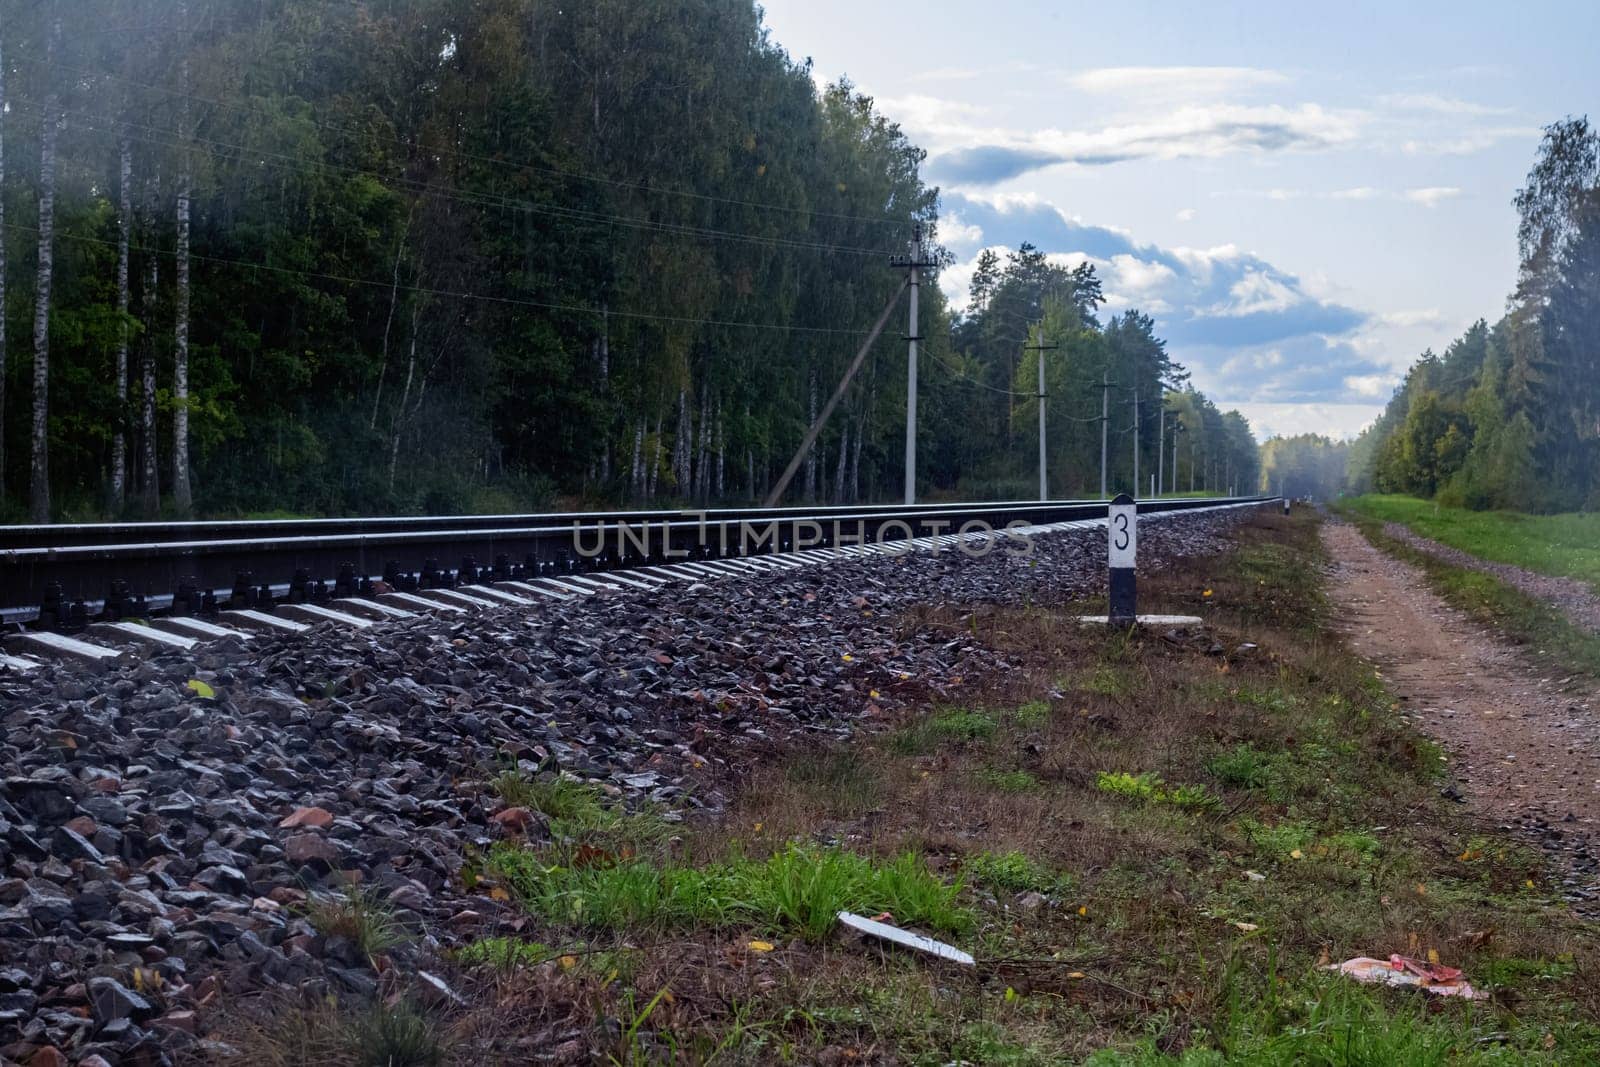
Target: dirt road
[{"x": 1524, "y": 750}]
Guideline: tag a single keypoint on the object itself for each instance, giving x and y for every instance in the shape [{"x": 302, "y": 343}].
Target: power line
[
  {"x": 246, "y": 153},
  {"x": 455, "y": 294},
  {"x": 477, "y": 157}
]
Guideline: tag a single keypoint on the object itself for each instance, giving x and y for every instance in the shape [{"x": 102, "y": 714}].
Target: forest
[
  {"x": 400, "y": 256},
  {"x": 1508, "y": 416}
]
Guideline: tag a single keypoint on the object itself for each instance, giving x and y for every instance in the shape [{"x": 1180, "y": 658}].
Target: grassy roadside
[
  {"x": 1566, "y": 546},
  {"x": 1542, "y": 630},
  {"x": 1152, "y": 845}
]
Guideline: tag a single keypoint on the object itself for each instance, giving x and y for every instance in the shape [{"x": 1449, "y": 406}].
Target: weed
[
  {"x": 800, "y": 887},
  {"x": 1010, "y": 872},
  {"x": 1033, "y": 713},
  {"x": 1243, "y": 767},
  {"x": 396, "y": 1036},
  {"x": 503, "y": 953},
  {"x": 1148, "y": 788},
  {"x": 842, "y": 780},
  {"x": 358, "y": 916},
  {"x": 954, "y": 725},
  {"x": 1008, "y": 781}
]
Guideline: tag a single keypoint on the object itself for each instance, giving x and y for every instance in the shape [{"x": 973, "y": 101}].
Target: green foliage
[
  {"x": 1010, "y": 872},
  {"x": 951, "y": 725},
  {"x": 1243, "y": 767},
  {"x": 1565, "y": 546},
  {"x": 800, "y": 888},
  {"x": 1509, "y": 416},
  {"x": 1148, "y": 788},
  {"x": 1013, "y": 781},
  {"x": 503, "y": 953},
  {"x": 445, "y": 271},
  {"x": 358, "y": 916},
  {"x": 396, "y": 1036}
]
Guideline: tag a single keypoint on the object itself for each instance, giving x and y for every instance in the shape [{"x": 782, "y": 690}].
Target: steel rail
[{"x": 108, "y": 568}]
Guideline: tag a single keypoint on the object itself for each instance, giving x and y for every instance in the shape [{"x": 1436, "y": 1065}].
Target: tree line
[
  {"x": 419, "y": 255},
  {"x": 1508, "y": 416}
]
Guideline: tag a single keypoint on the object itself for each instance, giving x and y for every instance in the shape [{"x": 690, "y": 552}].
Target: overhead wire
[
  {"x": 165, "y": 138},
  {"x": 382, "y": 283},
  {"x": 656, "y": 190}
]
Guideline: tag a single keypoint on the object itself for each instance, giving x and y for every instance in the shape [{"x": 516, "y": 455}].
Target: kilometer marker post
[
  {"x": 1122, "y": 554},
  {"x": 1122, "y": 544}
]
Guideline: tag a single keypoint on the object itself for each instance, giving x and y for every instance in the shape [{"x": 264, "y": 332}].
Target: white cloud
[
  {"x": 1373, "y": 385},
  {"x": 1256, "y": 292},
  {"x": 1432, "y": 195},
  {"x": 1420, "y": 317},
  {"x": 955, "y": 233},
  {"x": 1360, "y": 192},
  {"x": 1191, "y": 81},
  {"x": 1286, "y": 420},
  {"x": 1439, "y": 105},
  {"x": 1186, "y": 215},
  {"x": 1137, "y": 276}
]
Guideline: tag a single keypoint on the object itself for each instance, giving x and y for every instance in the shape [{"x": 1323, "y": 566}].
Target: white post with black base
[
  {"x": 1122, "y": 551},
  {"x": 1122, "y": 557}
]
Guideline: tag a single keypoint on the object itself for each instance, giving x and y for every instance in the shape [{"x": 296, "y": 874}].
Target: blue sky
[{"x": 1304, "y": 196}]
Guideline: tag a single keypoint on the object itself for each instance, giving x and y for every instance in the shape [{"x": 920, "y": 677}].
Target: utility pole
[
  {"x": 1177, "y": 428},
  {"x": 1161, "y": 441},
  {"x": 913, "y": 264},
  {"x": 1041, "y": 348},
  {"x": 1136, "y": 439},
  {"x": 1105, "y": 422}
]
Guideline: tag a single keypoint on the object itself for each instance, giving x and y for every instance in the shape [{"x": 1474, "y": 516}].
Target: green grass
[
  {"x": 951, "y": 725},
  {"x": 840, "y": 778},
  {"x": 357, "y": 915},
  {"x": 800, "y": 889},
  {"x": 1566, "y": 546},
  {"x": 1011, "y": 872},
  {"x": 1148, "y": 788}
]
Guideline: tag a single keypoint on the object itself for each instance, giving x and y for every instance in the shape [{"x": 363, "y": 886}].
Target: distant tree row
[
  {"x": 1509, "y": 415},
  {"x": 1306, "y": 465},
  {"x": 406, "y": 255}
]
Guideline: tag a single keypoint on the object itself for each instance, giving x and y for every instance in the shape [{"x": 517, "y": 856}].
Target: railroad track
[{"x": 203, "y": 580}]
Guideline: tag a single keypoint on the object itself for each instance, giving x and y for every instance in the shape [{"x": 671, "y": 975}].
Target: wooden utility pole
[
  {"x": 1042, "y": 348},
  {"x": 914, "y": 263}
]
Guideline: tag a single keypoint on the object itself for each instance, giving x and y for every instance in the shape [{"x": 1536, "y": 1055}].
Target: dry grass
[{"x": 1328, "y": 836}]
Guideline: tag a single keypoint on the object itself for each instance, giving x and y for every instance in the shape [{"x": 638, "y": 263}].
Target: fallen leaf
[
  {"x": 201, "y": 689},
  {"x": 568, "y": 962},
  {"x": 499, "y": 893},
  {"x": 761, "y": 946},
  {"x": 1248, "y": 928},
  {"x": 1297, "y": 855}
]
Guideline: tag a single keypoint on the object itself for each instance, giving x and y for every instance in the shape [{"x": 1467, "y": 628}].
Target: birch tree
[
  {"x": 2, "y": 264},
  {"x": 181, "y": 493},
  {"x": 39, "y": 472},
  {"x": 119, "y": 441}
]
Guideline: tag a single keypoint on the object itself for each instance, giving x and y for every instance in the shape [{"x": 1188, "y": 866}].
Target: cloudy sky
[{"x": 1303, "y": 196}]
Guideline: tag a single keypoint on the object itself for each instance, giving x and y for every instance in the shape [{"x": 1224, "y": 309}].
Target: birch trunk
[
  {"x": 636, "y": 482},
  {"x": 811, "y": 456},
  {"x": 842, "y": 466},
  {"x": 119, "y": 442},
  {"x": 39, "y": 474},
  {"x": 681, "y": 445},
  {"x": 149, "y": 466},
  {"x": 2, "y": 267},
  {"x": 181, "y": 490}
]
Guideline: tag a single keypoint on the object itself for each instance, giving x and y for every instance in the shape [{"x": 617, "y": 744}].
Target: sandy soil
[{"x": 1524, "y": 748}]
